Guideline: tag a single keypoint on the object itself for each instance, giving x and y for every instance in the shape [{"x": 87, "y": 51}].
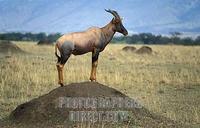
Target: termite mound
[
  {"x": 44, "y": 111},
  {"x": 8, "y": 47}
]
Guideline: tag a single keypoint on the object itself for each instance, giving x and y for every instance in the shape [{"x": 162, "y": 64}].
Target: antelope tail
[{"x": 56, "y": 47}]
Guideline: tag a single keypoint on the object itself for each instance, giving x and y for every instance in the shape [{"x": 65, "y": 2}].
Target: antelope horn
[{"x": 114, "y": 13}]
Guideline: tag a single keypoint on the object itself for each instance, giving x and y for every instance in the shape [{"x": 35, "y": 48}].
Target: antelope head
[{"x": 117, "y": 22}]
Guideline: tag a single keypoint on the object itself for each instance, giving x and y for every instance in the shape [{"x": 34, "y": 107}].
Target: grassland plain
[{"x": 166, "y": 82}]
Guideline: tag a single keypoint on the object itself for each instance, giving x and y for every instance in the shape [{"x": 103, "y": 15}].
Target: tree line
[
  {"x": 149, "y": 38},
  {"x": 142, "y": 38},
  {"x": 17, "y": 36}
]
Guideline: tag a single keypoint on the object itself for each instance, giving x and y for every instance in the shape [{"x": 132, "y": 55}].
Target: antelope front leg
[
  {"x": 60, "y": 73},
  {"x": 95, "y": 55}
]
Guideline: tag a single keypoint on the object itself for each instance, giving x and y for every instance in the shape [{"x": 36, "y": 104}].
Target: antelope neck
[{"x": 108, "y": 32}]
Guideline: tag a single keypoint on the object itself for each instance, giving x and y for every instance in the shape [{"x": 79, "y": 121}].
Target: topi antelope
[{"x": 92, "y": 40}]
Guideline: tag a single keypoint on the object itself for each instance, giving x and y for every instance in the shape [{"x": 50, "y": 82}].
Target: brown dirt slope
[
  {"x": 9, "y": 47},
  {"x": 44, "y": 111},
  {"x": 144, "y": 50},
  {"x": 129, "y": 48},
  {"x": 45, "y": 42}
]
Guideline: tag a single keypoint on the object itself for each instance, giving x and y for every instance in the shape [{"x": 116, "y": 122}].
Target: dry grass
[{"x": 166, "y": 82}]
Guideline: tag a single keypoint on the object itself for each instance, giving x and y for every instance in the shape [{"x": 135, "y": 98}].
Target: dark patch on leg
[
  {"x": 59, "y": 59},
  {"x": 65, "y": 51},
  {"x": 95, "y": 57},
  {"x": 64, "y": 59},
  {"x": 61, "y": 84}
]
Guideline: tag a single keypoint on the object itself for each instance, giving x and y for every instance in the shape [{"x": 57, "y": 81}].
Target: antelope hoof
[
  {"x": 93, "y": 79},
  {"x": 61, "y": 84}
]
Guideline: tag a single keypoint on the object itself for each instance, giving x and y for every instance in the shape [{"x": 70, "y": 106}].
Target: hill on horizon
[{"x": 68, "y": 16}]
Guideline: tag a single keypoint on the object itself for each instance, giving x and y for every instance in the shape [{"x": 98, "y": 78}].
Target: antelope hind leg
[{"x": 65, "y": 51}]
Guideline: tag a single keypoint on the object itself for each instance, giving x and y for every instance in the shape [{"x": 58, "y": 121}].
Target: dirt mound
[
  {"x": 129, "y": 48},
  {"x": 45, "y": 42},
  {"x": 9, "y": 47},
  {"x": 53, "y": 108},
  {"x": 144, "y": 50}
]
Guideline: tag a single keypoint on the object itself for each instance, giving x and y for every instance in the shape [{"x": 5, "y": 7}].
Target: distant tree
[
  {"x": 2, "y": 37},
  {"x": 147, "y": 38},
  {"x": 29, "y": 37},
  {"x": 175, "y": 39},
  {"x": 175, "y": 34},
  {"x": 187, "y": 41},
  {"x": 41, "y": 36},
  {"x": 164, "y": 40},
  {"x": 120, "y": 39},
  {"x": 197, "y": 40},
  {"x": 134, "y": 39},
  {"x": 53, "y": 37},
  {"x": 157, "y": 39}
]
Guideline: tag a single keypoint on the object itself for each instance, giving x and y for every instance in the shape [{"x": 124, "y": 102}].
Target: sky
[{"x": 155, "y": 16}]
